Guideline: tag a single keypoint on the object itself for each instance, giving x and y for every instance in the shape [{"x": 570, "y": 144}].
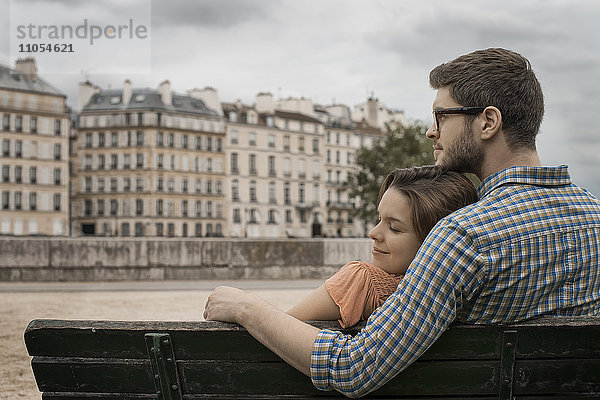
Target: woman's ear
[{"x": 491, "y": 123}]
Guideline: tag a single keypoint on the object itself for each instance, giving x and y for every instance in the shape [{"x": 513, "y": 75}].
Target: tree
[{"x": 399, "y": 148}]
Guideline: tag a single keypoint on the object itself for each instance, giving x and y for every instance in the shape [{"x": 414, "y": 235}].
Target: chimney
[
  {"x": 264, "y": 103},
  {"x": 127, "y": 92},
  {"x": 210, "y": 98},
  {"x": 26, "y": 66},
  {"x": 165, "y": 92},
  {"x": 85, "y": 93}
]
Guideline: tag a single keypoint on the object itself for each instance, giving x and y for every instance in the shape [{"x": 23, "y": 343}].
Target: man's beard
[{"x": 464, "y": 155}]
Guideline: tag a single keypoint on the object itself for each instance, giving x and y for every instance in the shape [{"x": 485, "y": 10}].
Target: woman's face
[{"x": 395, "y": 243}]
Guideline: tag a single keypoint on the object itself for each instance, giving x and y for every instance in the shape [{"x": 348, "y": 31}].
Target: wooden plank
[
  {"x": 557, "y": 377},
  {"x": 559, "y": 342},
  {"x": 93, "y": 375}
]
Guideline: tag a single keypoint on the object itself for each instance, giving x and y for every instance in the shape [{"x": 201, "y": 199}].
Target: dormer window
[
  {"x": 269, "y": 121},
  {"x": 115, "y": 100},
  {"x": 139, "y": 98},
  {"x": 232, "y": 116}
]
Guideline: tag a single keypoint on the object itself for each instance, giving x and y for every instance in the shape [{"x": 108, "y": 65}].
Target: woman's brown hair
[{"x": 432, "y": 194}]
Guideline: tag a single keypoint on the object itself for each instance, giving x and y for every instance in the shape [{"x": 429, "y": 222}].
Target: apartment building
[
  {"x": 149, "y": 162},
  {"x": 34, "y": 131},
  {"x": 275, "y": 154}
]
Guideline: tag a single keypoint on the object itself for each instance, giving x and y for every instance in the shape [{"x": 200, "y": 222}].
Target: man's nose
[{"x": 432, "y": 133}]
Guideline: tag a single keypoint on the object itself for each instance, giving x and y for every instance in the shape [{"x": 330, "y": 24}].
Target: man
[{"x": 528, "y": 247}]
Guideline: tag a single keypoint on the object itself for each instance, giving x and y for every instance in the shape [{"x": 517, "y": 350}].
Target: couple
[{"x": 529, "y": 246}]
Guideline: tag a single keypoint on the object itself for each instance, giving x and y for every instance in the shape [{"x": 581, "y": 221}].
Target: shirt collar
[{"x": 538, "y": 176}]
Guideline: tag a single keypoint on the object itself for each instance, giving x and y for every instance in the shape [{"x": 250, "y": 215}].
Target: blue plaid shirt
[{"x": 528, "y": 247}]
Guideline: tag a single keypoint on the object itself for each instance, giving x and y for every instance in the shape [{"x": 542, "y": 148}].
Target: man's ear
[{"x": 491, "y": 122}]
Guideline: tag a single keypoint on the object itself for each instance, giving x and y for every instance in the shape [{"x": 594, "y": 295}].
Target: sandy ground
[{"x": 175, "y": 301}]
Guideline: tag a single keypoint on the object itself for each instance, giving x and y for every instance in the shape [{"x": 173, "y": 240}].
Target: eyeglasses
[{"x": 455, "y": 110}]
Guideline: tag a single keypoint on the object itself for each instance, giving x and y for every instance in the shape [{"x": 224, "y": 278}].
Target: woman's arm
[{"x": 317, "y": 306}]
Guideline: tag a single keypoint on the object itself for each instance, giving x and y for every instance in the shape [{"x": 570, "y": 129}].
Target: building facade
[
  {"x": 34, "y": 131},
  {"x": 149, "y": 162}
]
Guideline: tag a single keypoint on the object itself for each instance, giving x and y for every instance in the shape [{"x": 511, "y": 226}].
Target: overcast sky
[{"x": 343, "y": 50}]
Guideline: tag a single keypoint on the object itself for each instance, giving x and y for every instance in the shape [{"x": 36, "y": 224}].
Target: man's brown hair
[
  {"x": 432, "y": 194},
  {"x": 500, "y": 78}
]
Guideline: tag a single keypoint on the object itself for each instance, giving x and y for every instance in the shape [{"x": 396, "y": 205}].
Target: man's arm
[{"x": 289, "y": 338}]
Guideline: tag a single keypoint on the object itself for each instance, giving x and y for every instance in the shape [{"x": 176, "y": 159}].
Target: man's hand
[
  {"x": 229, "y": 304},
  {"x": 288, "y": 337}
]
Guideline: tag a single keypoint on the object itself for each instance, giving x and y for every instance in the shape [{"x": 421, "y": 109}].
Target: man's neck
[{"x": 500, "y": 160}]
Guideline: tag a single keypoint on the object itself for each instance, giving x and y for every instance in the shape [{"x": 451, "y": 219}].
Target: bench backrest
[{"x": 212, "y": 360}]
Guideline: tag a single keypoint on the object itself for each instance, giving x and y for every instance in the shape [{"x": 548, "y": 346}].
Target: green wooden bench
[{"x": 108, "y": 360}]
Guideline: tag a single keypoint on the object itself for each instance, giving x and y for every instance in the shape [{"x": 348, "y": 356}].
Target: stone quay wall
[{"x": 115, "y": 259}]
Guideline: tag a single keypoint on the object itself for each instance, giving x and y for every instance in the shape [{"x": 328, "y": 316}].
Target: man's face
[{"x": 454, "y": 144}]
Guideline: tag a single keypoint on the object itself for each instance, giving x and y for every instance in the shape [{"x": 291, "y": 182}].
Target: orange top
[{"x": 358, "y": 288}]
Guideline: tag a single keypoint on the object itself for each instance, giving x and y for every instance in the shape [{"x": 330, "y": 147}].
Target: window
[
  {"x": 170, "y": 140},
  {"x": 209, "y": 165},
  {"x": 57, "y": 126},
  {"x": 6, "y": 147},
  {"x": 170, "y": 185},
  {"x": 252, "y": 219},
  {"x": 33, "y": 175},
  {"x": 208, "y": 144},
  {"x": 57, "y": 151},
  {"x": 208, "y": 186},
  {"x": 139, "y": 184},
  {"x": 348, "y": 158},
  {"x": 33, "y": 201},
  {"x": 235, "y": 195},
  {"x": 139, "y": 229},
  {"x": 139, "y": 207},
  {"x": 252, "y": 190},
  {"x": 5, "y": 200},
  {"x": 272, "y": 198},
  {"x": 286, "y": 143},
  {"x": 303, "y": 216},
  {"x": 234, "y": 163},
  {"x": 126, "y": 161},
  {"x": 184, "y": 141},
  {"x": 5, "y": 173},
  {"x": 288, "y": 216},
  {"x": 315, "y": 143},
  {"x": 56, "y": 201},
  {"x": 184, "y": 186},
  {"x": 18, "y": 174},
  {"x": 139, "y": 138},
  {"x": 271, "y": 140},
  {"x": 159, "y": 207},
  {"x": 198, "y": 230},
  {"x": 114, "y": 206},
  {"x": 140, "y": 119},
  {"x": 6, "y": 122},
  {"x": 301, "y": 143},
  {"x": 236, "y": 216},
  {"x": 88, "y": 184},
  {"x": 18, "y": 148},
  {"x": 100, "y": 184},
  {"x": 139, "y": 160},
  {"x": 159, "y": 139},
  {"x": 219, "y": 145},
  {"x": 88, "y": 161},
  {"x": 114, "y": 161},
  {"x": 114, "y": 139},
  {"x": 159, "y": 160},
  {"x": 101, "y": 161},
  {"x": 172, "y": 162},
  {"x": 198, "y": 142},
  {"x": 113, "y": 184},
  {"x": 232, "y": 134},
  {"x": 184, "y": 208},
  {"x": 184, "y": 229},
  {"x": 159, "y": 185},
  {"x": 252, "y": 164},
  {"x": 337, "y": 157},
  {"x": 100, "y": 207},
  {"x": 198, "y": 208},
  {"x": 87, "y": 207},
  {"x": 198, "y": 185},
  {"x": 101, "y": 138},
  {"x": 232, "y": 116},
  {"x": 251, "y": 138},
  {"x": 272, "y": 166},
  {"x": 32, "y": 125},
  {"x": 271, "y": 218},
  {"x": 209, "y": 209},
  {"x": 159, "y": 229},
  {"x": 126, "y": 184},
  {"x": 286, "y": 193},
  {"x": 301, "y": 193},
  {"x": 125, "y": 229},
  {"x": 19, "y": 123},
  {"x": 57, "y": 174}
]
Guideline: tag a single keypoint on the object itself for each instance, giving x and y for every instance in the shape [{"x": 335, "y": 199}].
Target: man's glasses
[{"x": 454, "y": 110}]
